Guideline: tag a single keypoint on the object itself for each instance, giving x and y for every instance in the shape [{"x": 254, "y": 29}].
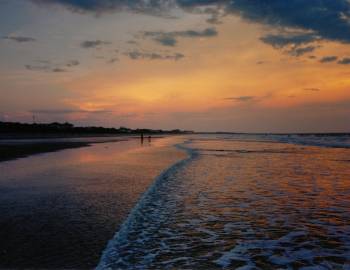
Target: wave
[
  {"x": 341, "y": 140},
  {"x": 207, "y": 212},
  {"x": 336, "y": 141},
  {"x": 110, "y": 256}
]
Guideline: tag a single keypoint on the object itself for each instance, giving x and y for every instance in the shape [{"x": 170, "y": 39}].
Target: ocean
[
  {"x": 202, "y": 201},
  {"x": 243, "y": 202}
]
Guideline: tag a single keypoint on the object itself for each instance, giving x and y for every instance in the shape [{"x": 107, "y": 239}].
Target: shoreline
[
  {"x": 25, "y": 146},
  {"x": 14, "y": 151},
  {"x": 30, "y": 136},
  {"x": 122, "y": 231},
  {"x": 21, "y": 147},
  {"x": 60, "y": 210}
]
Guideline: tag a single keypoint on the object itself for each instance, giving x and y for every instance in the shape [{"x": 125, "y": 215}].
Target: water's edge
[{"x": 122, "y": 232}]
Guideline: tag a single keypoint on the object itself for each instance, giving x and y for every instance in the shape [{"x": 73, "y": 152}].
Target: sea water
[{"x": 243, "y": 202}]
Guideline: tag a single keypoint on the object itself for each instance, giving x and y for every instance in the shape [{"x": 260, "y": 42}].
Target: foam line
[{"x": 109, "y": 251}]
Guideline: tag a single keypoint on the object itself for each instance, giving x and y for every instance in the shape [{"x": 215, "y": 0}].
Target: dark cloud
[
  {"x": 302, "y": 50},
  {"x": 285, "y": 39},
  {"x": 46, "y": 62},
  {"x": 252, "y": 99},
  {"x": 48, "y": 66},
  {"x": 312, "y": 89},
  {"x": 87, "y": 44},
  {"x": 59, "y": 70},
  {"x": 67, "y": 111},
  {"x": 318, "y": 19},
  {"x": 38, "y": 67},
  {"x": 242, "y": 98},
  {"x": 44, "y": 68},
  {"x": 328, "y": 19},
  {"x": 344, "y": 61},
  {"x": 214, "y": 20},
  {"x": 153, "y": 7},
  {"x": 132, "y": 42},
  {"x": 136, "y": 55},
  {"x": 73, "y": 63},
  {"x": 215, "y": 15},
  {"x": 170, "y": 38},
  {"x": 328, "y": 59},
  {"x": 20, "y": 39},
  {"x": 112, "y": 60},
  {"x": 292, "y": 43}
]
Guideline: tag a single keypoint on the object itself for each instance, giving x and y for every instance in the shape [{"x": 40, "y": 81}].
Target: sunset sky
[{"x": 204, "y": 65}]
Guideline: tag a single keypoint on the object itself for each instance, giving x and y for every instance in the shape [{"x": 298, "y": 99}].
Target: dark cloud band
[
  {"x": 20, "y": 39},
  {"x": 170, "y": 38},
  {"x": 321, "y": 19}
]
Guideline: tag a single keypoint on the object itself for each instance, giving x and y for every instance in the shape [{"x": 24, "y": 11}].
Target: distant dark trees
[{"x": 68, "y": 128}]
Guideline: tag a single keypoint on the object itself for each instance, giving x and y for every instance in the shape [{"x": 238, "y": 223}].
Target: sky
[{"x": 203, "y": 65}]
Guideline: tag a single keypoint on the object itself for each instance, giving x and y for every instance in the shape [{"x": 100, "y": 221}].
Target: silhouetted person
[
  {"x": 141, "y": 138},
  {"x": 149, "y": 138}
]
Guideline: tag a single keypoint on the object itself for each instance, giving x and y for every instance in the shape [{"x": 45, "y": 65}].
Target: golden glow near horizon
[{"x": 231, "y": 81}]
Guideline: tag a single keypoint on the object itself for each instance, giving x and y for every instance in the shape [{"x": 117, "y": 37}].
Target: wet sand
[
  {"x": 9, "y": 152},
  {"x": 19, "y": 147},
  {"x": 58, "y": 210},
  {"x": 240, "y": 204}
]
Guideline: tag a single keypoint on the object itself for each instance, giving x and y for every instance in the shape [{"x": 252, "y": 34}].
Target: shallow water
[
  {"x": 241, "y": 203},
  {"x": 58, "y": 210}
]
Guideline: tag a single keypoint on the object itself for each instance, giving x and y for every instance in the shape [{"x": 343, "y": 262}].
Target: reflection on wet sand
[
  {"x": 58, "y": 210},
  {"x": 243, "y": 204}
]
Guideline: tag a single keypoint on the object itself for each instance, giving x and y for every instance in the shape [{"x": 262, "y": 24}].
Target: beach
[
  {"x": 203, "y": 201},
  {"x": 60, "y": 209},
  {"x": 19, "y": 146}
]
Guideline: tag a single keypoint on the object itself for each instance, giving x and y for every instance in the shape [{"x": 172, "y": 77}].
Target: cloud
[
  {"x": 302, "y": 50},
  {"x": 132, "y": 42},
  {"x": 215, "y": 15},
  {"x": 328, "y": 19},
  {"x": 328, "y": 59},
  {"x": 48, "y": 66},
  {"x": 59, "y": 70},
  {"x": 285, "y": 39},
  {"x": 312, "y": 89},
  {"x": 242, "y": 98},
  {"x": 253, "y": 99},
  {"x": 37, "y": 68},
  {"x": 112, "y": 60},
  {"x": 136, "y": 55},
  {"x": 73, "y": 63},
  {"x": 344, "y": 61},
  {"x": 44, "y": 68},
  {"x": 170, "y": 38},
  {"x": 154, "y": 7},
  {"x": 293, "y": 43},
  {"x": 87, "y": 44},
  {"x": 315, "y": 20},
  {"x": 20, "y": 39},
  {"x": 67, "y": 111}
]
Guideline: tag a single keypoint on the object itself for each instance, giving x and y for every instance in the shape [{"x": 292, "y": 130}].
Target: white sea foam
[
  {"x": 277, "y": 210},
  {"x": 111, "y": 255}
]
